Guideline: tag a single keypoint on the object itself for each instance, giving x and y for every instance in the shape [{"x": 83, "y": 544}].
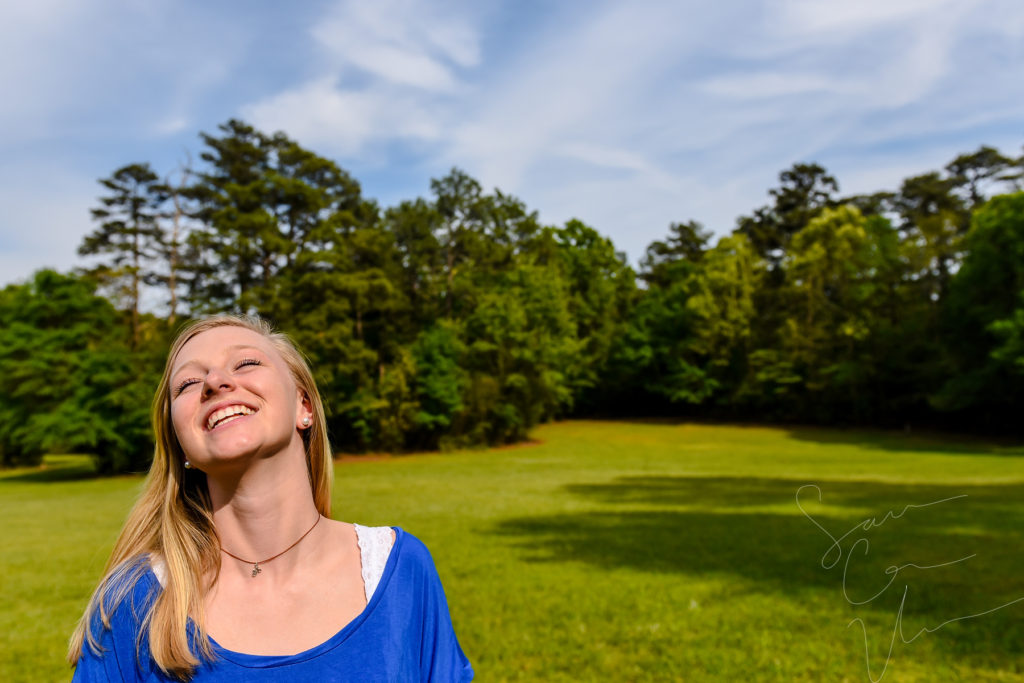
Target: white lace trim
[
  {"x": 159, "y": 567},
  {"x": 374, "y": 547}
]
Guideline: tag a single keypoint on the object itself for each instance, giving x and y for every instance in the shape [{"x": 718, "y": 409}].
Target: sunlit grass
[{"x": 619, "y": 551}]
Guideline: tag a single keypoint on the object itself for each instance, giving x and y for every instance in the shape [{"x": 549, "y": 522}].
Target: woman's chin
[{"x": 241, "y": 450}]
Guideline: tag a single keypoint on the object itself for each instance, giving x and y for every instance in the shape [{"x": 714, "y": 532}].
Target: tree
[
  {"x": 236, "y": 248},
  {"x": 601, "y": 289},
  {"x": 981, "y": 317},
  {"x": 67, "y": 380},
  {"x": 874, "y": 204},
  {"x": 723, "y": 300},
  {"x": 459, "y": 203},
  {"x": 804, "y": 191},
  {"x": 172, "y": 246},
  {"x": 414, "y": 227},
  {"x": 666, "y": 261},
  {"x": 440, "y": 383},
  {"x": 975, "y": 170},
  {"x": 664, "y": 347},
  {"x": 933, "y": 220},
  {"x": 834, "y": 270},
  {"x": 130, "y": 233},
  {"x": 519, "y": 339}
]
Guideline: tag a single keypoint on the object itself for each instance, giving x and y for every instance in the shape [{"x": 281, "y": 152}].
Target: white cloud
[
  {"x": 767, "y": 85},
  {"x": 600, "y": 155},
  {"x": 321, "y": 115},
  {"x": 814, "y": 17},
  {"x": 170, "y": 125},
  {"x": 392, "y": 70},
  {"x": 585, "y": 78},
  {"x": 69, "y": 69},
  {"x": 400, "y": 41}
]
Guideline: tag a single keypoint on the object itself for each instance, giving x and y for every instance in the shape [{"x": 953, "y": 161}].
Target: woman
[{"x": 229, "y": 567}]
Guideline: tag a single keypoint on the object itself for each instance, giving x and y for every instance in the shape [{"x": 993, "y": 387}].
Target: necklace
[{"x": 256, "y": 565}]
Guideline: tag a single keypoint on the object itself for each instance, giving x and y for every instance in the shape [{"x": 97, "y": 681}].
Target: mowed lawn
[{"x": 617, "y": 551}]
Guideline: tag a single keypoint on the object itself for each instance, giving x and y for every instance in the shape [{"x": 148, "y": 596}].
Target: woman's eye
[
  {"x": 184, "y": 385},
  {"x": 247, "y": 361}
]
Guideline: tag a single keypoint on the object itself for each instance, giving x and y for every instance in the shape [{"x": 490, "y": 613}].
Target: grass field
[{"x": 615, "y": 551}]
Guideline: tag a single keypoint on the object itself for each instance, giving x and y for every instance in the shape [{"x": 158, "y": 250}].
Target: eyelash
[{"x": 192, "y": 380}]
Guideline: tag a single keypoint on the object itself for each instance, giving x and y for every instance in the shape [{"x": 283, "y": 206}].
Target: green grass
[{"x": 615, "y": 551}]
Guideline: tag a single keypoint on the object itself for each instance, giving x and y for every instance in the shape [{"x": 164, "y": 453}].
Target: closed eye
[{"x": 184, "y": 385}]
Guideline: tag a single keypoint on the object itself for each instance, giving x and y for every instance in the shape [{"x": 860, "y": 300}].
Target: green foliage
[
  {"x": 519, "y": 343},
  {"x": 600, "y": 290},
  {"x": 832, "y": 282},
  {"x": 971, "y": 172},
  {"x": 983, "y": 312},
  {"x": 723, "y": 301},
  {"x": 67, "y": 381},
  {"x": 670, "y": 360},
  {"x": 669, "y": 260},
  {"x": 804, "y": 191},
  {"x": 440, "y": 381},
  {"x": 460, "y": 319}
]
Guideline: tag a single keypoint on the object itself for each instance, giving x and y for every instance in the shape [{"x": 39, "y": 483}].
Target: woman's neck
[{"x": 263, "y": 510}]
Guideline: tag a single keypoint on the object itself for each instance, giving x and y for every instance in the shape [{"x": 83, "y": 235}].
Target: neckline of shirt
[{"x": 252, "y": 661}]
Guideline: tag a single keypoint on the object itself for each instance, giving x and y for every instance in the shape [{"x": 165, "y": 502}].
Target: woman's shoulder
[
  {"x": 412, "y": 546},
  {"x": 136, "y": 580},
  {"x": 117, "y": 616},
  {"x": 125, "y": 596},
  {"x": 413, "y": 559}
]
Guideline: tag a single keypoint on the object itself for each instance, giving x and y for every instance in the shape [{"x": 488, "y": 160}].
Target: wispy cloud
[
  {"x": 344, "y": 121},
  {"x": 767, "y": 85},
  {"x": 816, "y": 18},
  {"x": 389, "y": 71},
  {"x": 400, "y": 41}
]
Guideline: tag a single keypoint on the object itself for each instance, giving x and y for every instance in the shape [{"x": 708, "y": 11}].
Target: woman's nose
[{"x": 216, "y": 380}]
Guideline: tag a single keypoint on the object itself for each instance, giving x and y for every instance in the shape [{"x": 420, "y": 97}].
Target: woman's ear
[{"x": 305, "y": 412}]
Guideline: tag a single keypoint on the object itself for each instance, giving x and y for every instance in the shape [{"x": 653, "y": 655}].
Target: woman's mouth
[{"x": 227, "y": 414}]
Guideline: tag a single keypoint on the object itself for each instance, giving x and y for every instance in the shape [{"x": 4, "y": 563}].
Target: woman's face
[{"x": 233, "y": 397}]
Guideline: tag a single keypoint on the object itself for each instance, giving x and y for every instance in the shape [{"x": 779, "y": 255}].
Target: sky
[{"x": 626, "y": 115}]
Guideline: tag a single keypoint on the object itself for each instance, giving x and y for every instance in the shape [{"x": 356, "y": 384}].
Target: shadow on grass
[
  {"x": 723, "y": 493},
  {"x": 922, "y": 441},
  {"x": 704, "y": 526},
  {"x": 66, "y": 470}
]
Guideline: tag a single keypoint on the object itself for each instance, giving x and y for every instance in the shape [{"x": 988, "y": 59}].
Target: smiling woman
[{"x": 229, "y": 566}]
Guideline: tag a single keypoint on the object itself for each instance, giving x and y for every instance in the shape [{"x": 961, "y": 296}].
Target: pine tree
[{"x": 130, "y": 233}]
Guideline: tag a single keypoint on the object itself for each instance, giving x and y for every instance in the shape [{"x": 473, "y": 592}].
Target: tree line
[{"x": 460, "y": 319}]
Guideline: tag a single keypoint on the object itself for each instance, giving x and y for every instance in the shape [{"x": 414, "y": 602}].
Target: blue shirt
[{"x": 403, "y": 634}]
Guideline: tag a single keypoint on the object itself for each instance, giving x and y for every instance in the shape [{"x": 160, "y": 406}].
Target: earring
[
  {"x": 188, "y": 465},
  {"x": 306, "y": 421}
]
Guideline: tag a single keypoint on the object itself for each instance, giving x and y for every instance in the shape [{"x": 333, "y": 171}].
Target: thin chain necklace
[{"x": 256, "y": 565}]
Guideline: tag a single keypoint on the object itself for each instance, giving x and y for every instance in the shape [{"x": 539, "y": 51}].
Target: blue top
[{"x": 403, "y": 634}]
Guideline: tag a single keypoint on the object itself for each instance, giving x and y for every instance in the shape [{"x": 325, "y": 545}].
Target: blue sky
[{"x": 626, "y": 115}]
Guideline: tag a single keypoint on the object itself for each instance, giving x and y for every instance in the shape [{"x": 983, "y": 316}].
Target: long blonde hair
[{"x": 172, "y": 520}]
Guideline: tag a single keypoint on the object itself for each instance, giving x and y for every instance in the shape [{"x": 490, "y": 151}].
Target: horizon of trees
[{"x": 460, "y": 319}]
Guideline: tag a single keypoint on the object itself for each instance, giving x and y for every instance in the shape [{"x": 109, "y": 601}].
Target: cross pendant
[{"x": 256, "y": 570}]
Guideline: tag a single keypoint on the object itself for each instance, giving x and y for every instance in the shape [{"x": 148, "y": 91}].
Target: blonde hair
[{"x": 172, "y": 519}]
